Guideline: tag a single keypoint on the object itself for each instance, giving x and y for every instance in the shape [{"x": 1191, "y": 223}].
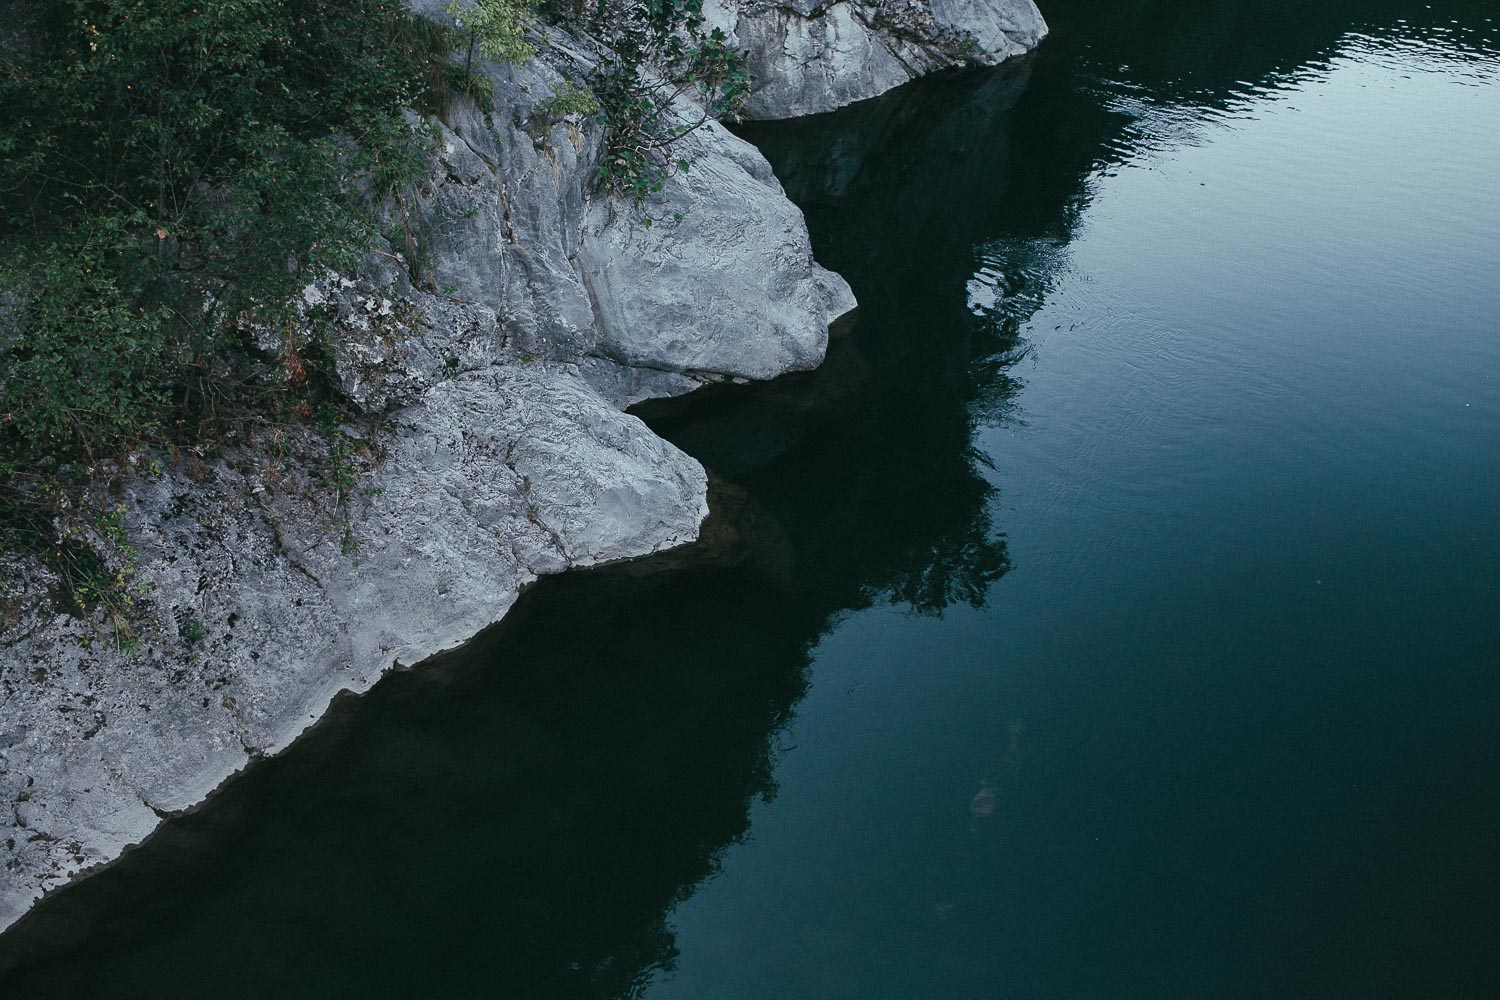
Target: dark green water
[{"x": 1117, "y": 614}]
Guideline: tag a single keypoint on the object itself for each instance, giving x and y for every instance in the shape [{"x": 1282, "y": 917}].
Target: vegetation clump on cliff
[
  {"x": 173, "y": 169},
  {"x": 658, "y": 51},
  {"x": 653, "y": 52},
  {"x": 172, "y": 172}
]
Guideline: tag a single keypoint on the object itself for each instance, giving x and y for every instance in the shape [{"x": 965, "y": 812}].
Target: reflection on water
[{"x": 1111, "y": 615}]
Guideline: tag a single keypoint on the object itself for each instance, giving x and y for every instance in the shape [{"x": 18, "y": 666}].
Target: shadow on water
[{"x": 520, "y": 817}]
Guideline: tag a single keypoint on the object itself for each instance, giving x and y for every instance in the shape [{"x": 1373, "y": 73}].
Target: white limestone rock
[
  {"x": 494, "y": 477},
  {"x": 722, "y": 281}
]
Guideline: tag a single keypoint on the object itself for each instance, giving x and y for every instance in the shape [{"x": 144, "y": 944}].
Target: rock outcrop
[
  {"x": 261, "y": 611},
  {"x": 809, "y": 56},
  {"x": 499, "y": 378}
]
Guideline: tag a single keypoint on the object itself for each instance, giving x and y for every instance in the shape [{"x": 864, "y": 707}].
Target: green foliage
[
  {"x": 341, "y": 472},
  {"x": 89, "y": 373},
  {"x": 191, "y": 629},
  {"x": 658, "y": 51},
  {"x": 172, "y": 167},
  {"x": 569, "y": 99},
  {"x": 172, "y": 172},
  {"x": 499, "y": 27}
]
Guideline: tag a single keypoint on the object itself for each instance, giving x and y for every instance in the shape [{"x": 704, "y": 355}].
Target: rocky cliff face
[{"x": 505, "y": 455}]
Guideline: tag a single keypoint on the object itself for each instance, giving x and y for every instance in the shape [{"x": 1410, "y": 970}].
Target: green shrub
[
  {"x": 658, "y": 51},
  {"x": 499, "y": 27},
  {"x": 90, "y": 373},
  {"x": 569, "y": 99},
  {"x": 172, "y": 166},
  {"x": 172, "y": 173}
]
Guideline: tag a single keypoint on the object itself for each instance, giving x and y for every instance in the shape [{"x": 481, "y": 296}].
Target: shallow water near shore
[{"x": 1117, "y": 613}]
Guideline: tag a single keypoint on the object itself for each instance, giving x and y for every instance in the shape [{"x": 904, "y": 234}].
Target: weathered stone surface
[
  {"x": 494, "y": 477},
  {"x": 809, "y": 56},
  {"x": 672, "y": 296}
]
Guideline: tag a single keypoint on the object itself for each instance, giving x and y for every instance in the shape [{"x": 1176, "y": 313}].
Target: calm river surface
[{"x": 1117, "y": 614}]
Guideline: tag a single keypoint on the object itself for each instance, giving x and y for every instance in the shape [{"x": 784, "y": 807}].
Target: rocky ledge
[
  {"x": 504, "y": 454},
  {"x": 809, "y": 56}
]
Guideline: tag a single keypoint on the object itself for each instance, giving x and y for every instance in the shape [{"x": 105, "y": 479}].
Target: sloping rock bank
[{"x": 506, "y": 455}]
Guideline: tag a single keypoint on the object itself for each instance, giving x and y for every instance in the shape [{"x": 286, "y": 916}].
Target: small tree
[
  {"x": 657, "y": 52},
  {"x": 498, "y": 26}
]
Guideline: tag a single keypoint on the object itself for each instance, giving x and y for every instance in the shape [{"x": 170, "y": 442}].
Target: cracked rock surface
[{"x": 495, "y": 477}]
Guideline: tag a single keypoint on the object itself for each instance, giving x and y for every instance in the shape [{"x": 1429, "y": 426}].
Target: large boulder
[{"x": 672, "y": 295}]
